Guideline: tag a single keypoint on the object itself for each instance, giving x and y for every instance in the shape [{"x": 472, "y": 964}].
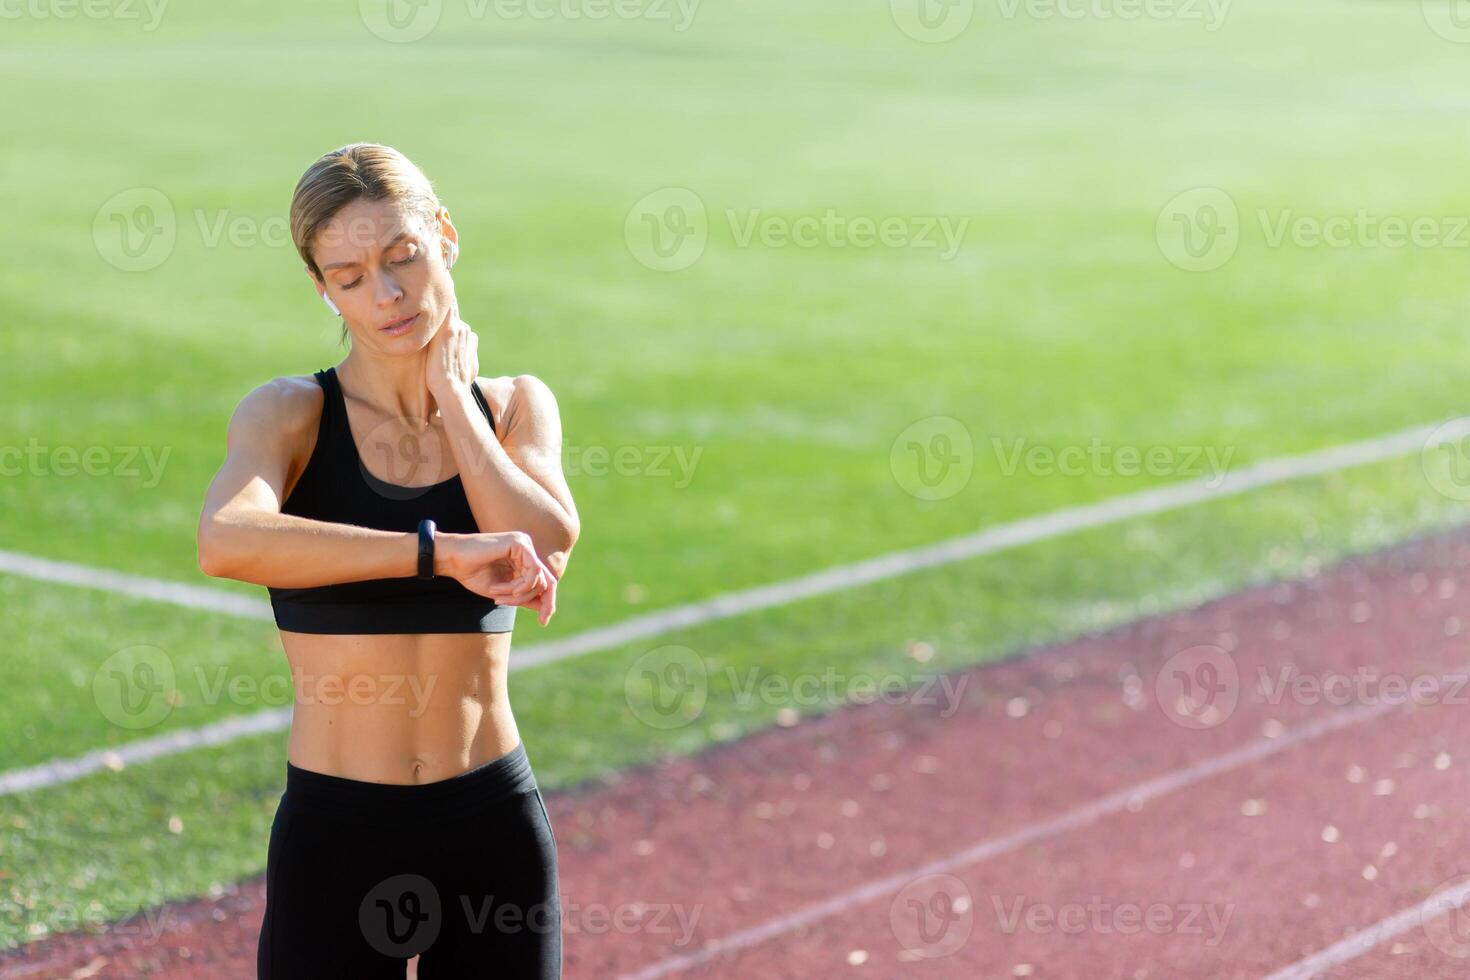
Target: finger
[
  {"x": 520, "y": 584},
  {"x": 523, "y": 588},
  {"x": 536, "y": 588},
  {"x": 519, "y": 598},
  {"x": 543, "y": 608},
  {"x": 490, "y": 592},
  {"x": 499, "y": 591},
  {"x": 506, "y": 588}
]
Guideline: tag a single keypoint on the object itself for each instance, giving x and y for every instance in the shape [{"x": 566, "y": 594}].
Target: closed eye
[{"x": 353, "y": 284}]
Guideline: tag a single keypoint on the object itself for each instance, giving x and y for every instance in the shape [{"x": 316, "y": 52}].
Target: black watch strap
[{"x": 426, "y": 548}]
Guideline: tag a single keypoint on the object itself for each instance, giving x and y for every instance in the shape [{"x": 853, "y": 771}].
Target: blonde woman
[{"x": 398, "y": 507}]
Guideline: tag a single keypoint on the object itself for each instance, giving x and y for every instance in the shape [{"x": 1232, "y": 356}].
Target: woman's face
[{"x": 387, "y": 273}]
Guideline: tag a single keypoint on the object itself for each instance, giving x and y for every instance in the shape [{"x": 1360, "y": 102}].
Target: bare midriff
[{"x": 399, "y": 708}]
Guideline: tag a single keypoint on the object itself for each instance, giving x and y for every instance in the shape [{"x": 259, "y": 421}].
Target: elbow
[
  {"x": 560, "y": 551},
  {"x": 209, "y": 552},
  {"x": 211, "y": 545}
]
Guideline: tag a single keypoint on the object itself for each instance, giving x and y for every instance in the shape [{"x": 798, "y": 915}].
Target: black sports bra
[{"x": 337, "y": 487}]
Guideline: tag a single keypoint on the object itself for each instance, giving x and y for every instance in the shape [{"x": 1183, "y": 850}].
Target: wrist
[
  {"x": 446, "y": 547},
  {"x": 445, "y": 388}
]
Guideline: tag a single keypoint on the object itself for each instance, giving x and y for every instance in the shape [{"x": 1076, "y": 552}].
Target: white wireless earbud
[
  {"x": 330, "y": 305},
  {"x": 453, "y": 254}
]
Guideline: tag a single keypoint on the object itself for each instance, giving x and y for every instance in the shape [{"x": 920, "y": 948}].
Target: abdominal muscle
[{"x": 399, "y": 708}]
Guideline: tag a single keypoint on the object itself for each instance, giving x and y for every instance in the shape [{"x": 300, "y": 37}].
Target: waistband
[{"x": 362, "y": 801}]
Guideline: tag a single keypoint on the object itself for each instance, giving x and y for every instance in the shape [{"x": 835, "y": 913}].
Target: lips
[{"x": 399, "y": 326}]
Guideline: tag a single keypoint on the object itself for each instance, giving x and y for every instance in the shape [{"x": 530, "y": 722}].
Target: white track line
[
  {"x": 1000, "y": 537},
  {"x": 1080, "y": 816},
  {"x": 1445, "y": 900}
]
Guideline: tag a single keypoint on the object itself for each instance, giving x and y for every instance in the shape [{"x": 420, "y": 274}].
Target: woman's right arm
[{"x": 243, "y": 534}]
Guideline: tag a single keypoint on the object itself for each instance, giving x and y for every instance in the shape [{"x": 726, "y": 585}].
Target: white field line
[
  {"x": 1445, "y": 900},
  {"x": 138, "y": 586},
  {"x": 144, "y": 750},
  {"x": 999, "y": 537},
  {"x": 1130, "y": 798}
]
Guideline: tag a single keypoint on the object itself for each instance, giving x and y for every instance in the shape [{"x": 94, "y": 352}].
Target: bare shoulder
[
  {"x": 288, "y": 406},
  {"x": 522, "y": 405}
]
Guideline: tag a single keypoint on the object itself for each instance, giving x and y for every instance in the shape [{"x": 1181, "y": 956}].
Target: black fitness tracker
[{"x": 426, "y": 548}]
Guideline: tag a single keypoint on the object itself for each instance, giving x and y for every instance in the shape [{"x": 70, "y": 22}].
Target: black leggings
[{"x": 362, "y": 876}]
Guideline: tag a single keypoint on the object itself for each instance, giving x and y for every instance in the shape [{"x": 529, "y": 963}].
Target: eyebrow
[{"x": 342, "y": 265}]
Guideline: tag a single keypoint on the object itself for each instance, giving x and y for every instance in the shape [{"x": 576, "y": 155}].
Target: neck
[{"x": 393, "y": 384}]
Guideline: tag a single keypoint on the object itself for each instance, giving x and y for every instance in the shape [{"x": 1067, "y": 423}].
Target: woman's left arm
[{"x": 515, "y": 483}]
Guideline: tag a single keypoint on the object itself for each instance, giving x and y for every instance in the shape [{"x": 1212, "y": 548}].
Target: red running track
[{"x": 1148, "y": 802}]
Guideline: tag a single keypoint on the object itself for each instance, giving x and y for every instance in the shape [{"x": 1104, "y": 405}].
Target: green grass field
[{"x": 1060, "y": 320}]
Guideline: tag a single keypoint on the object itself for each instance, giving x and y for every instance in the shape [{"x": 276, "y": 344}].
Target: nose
[{"x": 386, "y": 291}]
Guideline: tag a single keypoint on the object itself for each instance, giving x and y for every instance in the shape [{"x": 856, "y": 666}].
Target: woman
[{"x": 398, "y": 508}]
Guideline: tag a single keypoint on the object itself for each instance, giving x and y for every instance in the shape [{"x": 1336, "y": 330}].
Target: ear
[{"x": 449, "y": 238}]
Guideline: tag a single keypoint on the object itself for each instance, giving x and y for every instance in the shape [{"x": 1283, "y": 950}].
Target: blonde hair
[{"x": 358, "y": 170}]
